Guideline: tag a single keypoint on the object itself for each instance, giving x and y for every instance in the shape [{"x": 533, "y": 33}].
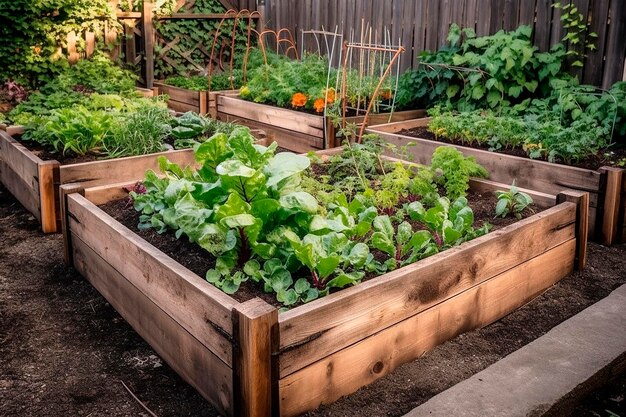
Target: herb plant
[{"x": 513, "y": 202}]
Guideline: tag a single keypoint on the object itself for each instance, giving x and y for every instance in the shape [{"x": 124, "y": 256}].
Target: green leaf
[
  {"x": 235, "y": 168},
  {"x": 299, "y": 200},
  {"x": 359, "y": 255},
  {"x": 452, "y": 90},
  {"x": 404, "y": 233},
  {"x": 302, "y": 285},
  {"x": 238, "y": 220},
  {"x": 327, "y": 265},
  {"x": 283, "y": 166},
  {"x": 287, "y": 297},
  {"x": 252, "y": 267}
]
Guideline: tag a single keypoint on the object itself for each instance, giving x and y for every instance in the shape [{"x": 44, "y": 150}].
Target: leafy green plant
[
  {"x": 455, "y": 170},
  {"x": 139, "y": 133},
  {"x": 34, "y": 33},
  {"x": 76, "y": 130},
  {"x": 513, "y": 202},
  {"x": 576, "y": 37}
]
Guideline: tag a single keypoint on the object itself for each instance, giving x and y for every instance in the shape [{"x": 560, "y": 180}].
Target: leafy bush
[
  {"x": 33, "y": 31},
  {"x": 482, "y": 72}
]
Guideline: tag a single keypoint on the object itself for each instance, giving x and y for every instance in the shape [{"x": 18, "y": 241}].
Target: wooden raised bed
[
  {"x": 35, "y": 182},
  {"x": 294, "y": 130},
  {"x": 606, "y": 186},
  {"x": 248, "y": 359},
  {"x": 183, "y": 100}
]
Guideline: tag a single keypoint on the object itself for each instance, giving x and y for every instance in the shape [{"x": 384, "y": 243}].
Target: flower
[
  {"x": 330, "y": 96},
  {"x": 244, "y": 92},
  {"x": 386, "y": 94},
  {"x": 319, "y": 105},
  {"x": 298, "y": 100}
]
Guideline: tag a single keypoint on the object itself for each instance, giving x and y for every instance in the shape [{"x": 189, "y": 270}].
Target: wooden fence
[{"x": 423, "y": 24}]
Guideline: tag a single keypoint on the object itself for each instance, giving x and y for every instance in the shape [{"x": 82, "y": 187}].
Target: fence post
[
  {"x": 261, "y": 9},
  {"x": 148, "y": 43}
]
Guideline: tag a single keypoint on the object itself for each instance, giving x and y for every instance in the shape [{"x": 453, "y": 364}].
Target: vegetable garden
[{"x": 285, "y": 225}]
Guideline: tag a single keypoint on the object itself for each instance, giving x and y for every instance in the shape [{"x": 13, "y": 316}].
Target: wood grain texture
[
  {"x": 122, "y": 169},
  {"x": 317, "y": 329},
  {"x": 288, "y": 139},
  {"x": 527, "y": 173},
  {"x": 254, "y": 321},
  {"x": 64, "y": 191},
  {"x": 612, "y": 204},
  {"x": 581, "y": 199},
  {"x": 274, "y": 116},
  {"x": 374, "y": 357},
  {"x": 48, "y": 201},
  {"x": 202, "y": 309},
  {"x": 188, "y": 356},
  {"x": 19, "y": 172}
]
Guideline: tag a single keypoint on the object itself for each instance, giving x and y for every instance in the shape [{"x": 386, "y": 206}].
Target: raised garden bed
[
  {"x": 35, "y": 182},
  {"x": 247, "y": 358},
  {"x": 294, "y": 130},
  {"x": 183, "y": 100},
  {"x": 606, "y": 187}
]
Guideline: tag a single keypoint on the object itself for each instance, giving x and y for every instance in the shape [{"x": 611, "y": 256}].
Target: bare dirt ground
[{"x": 65, "y": 351}]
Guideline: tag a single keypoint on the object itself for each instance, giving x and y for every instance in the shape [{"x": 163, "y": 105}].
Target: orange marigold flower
[
  {"x": 319, "y": 105},
  {"x": 330, "y": 95},
  {"x": 298, "y": 100},
  {"x": 386, "y": 94}
]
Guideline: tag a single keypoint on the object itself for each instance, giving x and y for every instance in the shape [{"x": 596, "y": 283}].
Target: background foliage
[{"x": 34, "y": 33}]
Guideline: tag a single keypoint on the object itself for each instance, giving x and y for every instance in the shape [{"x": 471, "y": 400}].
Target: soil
[
  {"x": 65, "y": 351},
  {"x": 593, "y": 162}
]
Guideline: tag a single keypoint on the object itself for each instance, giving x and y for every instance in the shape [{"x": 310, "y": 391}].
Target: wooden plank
[
  {"x": 181, "y": 107},
  {"x": 615, "y": 45},
  {"x": 543, "y": 200},
  {"x": 288, "y": 139},
  {"x": 22, "y": 191},
  {"x": 532, "y": 174},
  {"x": 47, "y": 195},
  {"x": 470, "y": 14},
  {"x": 181, "y": 350},
  {"x": 19, "y": 172},
  {"x": 542, "y": 25},
  {"x": 497, "y": 15},
  {"x": 368, "y": 360},
  {"x": 64, "y": 191},
  {"x": 511, "y": 14},
  {"x": 527, "y": 12},
  {"x": 483, "y": 19},
  {"x": 612, "y": 203},
  {"x": 594, "y": 63},
  {"x": 121, "y": 169},
  {"x": 102, "y": 194},
  {"x": 19, "y": 159},
  {"x": 275, "y": 116},
  {"x": 199, "y": 307},
  {"x": 432, "y": 42},
  {"x": 182, "y": 95},
  {"x": 381, "y": 118},
  {"x": 148, "y": 43},
  {"x": 255, "y": 321},
  {"x": 317, "y": 329},
  {"x": 581, "y": 200}
]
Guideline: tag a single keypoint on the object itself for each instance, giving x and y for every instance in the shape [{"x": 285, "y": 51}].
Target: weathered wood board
[
  {"x": 605, "y": 217},
  {"x": 183, "y": 100},
  {"x": 289, "y": 362},
  {"x": 294, "y": 130}
]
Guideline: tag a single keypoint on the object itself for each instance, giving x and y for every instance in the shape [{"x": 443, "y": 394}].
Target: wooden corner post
[
  {"x": 64, "y": 191},
  {"x": 581, "y": 199},
  {"x": 612, "y": 197},
  {"x": 255, "y": 322},
  {"x": 148, "y": 42},
  {"x": 47, "y": 172}
]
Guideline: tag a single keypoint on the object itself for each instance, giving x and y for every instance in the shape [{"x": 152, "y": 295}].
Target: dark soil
[
  {"x": 64, "y": 351},
  {"x": 593, "y": 162}
]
